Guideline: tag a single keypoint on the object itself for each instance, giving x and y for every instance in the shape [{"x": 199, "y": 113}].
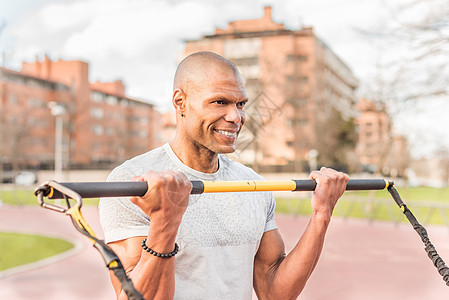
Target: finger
[
  {"x": 183, "y": 178},
  {"x": 138, "y": 178},
  {"x": 167, "y": 176},
  {"x": 134, "y": 200},
  {"x": 314, "y": 174},
  {"x": 323, "y": 170}
]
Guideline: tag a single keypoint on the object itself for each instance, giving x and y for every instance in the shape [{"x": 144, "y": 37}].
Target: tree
[
  {"x": 412, "y": 69},
  {"x": 336, "y": 141},
  {"x": 414, "y": 45}
]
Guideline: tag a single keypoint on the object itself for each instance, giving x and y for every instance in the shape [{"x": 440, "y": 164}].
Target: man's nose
[{"x": 234, "y": 114}]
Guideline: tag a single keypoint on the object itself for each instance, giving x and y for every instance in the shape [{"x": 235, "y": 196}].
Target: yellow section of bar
[
  {"x": 228, "y": 186},
  {"x": 275, "y": 185},
  {"x": 386, "y": 184},
  {"x": 248, "y": 186}
]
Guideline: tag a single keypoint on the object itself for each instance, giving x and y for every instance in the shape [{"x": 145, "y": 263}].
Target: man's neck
[{"x": 195, "y": 156}]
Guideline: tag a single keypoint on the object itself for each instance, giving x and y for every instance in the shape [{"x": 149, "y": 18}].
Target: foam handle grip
[{"x": 353, "y": 184}]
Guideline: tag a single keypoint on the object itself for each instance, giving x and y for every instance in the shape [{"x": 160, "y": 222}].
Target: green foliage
[{"x": 19, "y": 249}]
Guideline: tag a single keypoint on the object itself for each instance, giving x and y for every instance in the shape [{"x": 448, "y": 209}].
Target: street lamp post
[
  {"x": 58, "y": 111},
  {"x": 312, "y": 156}
]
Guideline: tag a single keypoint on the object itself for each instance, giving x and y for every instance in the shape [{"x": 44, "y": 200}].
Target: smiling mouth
[{"x": 227, "y": 133}]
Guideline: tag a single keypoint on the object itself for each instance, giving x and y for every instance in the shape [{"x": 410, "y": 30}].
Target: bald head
[{"x": 194, "y": 69}]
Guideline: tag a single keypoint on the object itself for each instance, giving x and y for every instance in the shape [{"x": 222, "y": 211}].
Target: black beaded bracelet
[{"x": 163, "y": 255}]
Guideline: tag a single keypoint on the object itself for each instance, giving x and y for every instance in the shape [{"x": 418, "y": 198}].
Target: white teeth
[{"x": 227, "y": 133}]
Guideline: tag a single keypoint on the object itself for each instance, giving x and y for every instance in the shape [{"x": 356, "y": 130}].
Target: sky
[{"x": 141, "y": 41}]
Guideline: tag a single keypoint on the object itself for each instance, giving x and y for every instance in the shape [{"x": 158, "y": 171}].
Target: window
[
  {"x": 144, "y": 121},
  {"x": 297, "y": 101},
  {"x": 13, "y": 99},
  {"x": 296, "y": 58},
  {"x": 97, "y": 145},
  {"x": 97, "y": 113},
  {"x": 38, "y": 123},
  {"x": 36, "y": 103},
  {"x": 96, "y": 97},
  {"x": 245, "y": 61},
  {"x": 143, "y": 134},
  {"x": 297, "y": 79},
  {"x": 111, "y": 100},
  {"x": 97, "y": 129},
  {"x": 110, "y": 131},
  {"x": 124, "y": 103}
]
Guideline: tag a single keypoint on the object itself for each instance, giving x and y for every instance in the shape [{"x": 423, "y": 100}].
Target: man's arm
[
  {"x": 165, "y": 203},
  {"x": 277, "y": 276}
]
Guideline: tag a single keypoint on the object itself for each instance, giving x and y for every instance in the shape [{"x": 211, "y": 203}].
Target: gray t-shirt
[{"x": 219, "y": 234}]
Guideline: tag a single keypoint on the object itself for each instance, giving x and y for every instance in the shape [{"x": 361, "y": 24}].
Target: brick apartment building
[
  {"x": 374, "y": 134},
  {"x": 378, "y": 149},
  {"x": 302, "y": 95},
  {"x": 101, "y": 125}
]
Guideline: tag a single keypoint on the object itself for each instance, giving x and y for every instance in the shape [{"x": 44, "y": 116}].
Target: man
[{"x": 228, "y": 242}]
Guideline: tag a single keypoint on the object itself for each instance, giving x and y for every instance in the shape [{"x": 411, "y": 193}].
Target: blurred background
[{"x": 357, "y": 85}]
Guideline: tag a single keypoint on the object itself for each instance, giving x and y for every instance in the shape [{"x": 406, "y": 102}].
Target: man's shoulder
[
  {"x": 139, "y": 164},
  {"x": 235, "y": 168}
]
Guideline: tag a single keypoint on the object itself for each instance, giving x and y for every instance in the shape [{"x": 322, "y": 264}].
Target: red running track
[{"x": 360, "y": 260}]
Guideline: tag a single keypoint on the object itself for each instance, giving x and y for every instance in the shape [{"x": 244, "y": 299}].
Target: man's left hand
[{"x": 330, "y": 186}]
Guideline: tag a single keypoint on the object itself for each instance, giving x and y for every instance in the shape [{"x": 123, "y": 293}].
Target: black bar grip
[
  {"x": 113, "y": 189},
  {"x": 353, "y": 184},
  {"x": 103, "y": 189},
  {"x": 367, "y": 184},
  {"x": 197, "y": 187}
]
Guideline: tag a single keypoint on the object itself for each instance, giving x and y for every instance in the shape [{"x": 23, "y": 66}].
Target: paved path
[
  {"x": 359, "y": 261},
  {"x": 82, "y": 276}
]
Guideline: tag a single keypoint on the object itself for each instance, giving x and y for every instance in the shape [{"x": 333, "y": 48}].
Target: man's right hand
[
  {"x": 167, "y": 197},
  {"x": 165, "y": 202}
]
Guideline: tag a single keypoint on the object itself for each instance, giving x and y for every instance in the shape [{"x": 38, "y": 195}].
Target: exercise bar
[{"x": 139, "y": 188}]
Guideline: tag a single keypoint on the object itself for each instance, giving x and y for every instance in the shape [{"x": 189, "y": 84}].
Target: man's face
[{"x": 214, "y": 111}]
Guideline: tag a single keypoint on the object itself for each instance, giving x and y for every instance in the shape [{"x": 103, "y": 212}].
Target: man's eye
[
  {"x": 219, "y": 101},
  {"x": 241, "y": 104}
]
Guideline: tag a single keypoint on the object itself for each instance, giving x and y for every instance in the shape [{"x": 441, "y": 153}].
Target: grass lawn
[
  {"x": 429, "y": 205},
  {"x": 19, "y": 249},
  {"x": 27, "y": 197}
]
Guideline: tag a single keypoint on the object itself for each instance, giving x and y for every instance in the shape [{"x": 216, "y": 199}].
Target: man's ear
[{"x": 179, "y": 101}]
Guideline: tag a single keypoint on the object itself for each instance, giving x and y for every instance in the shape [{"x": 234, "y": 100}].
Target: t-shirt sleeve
[
  {"x": 119, "y": 217},
  {"x": 270, "y": 224}
]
